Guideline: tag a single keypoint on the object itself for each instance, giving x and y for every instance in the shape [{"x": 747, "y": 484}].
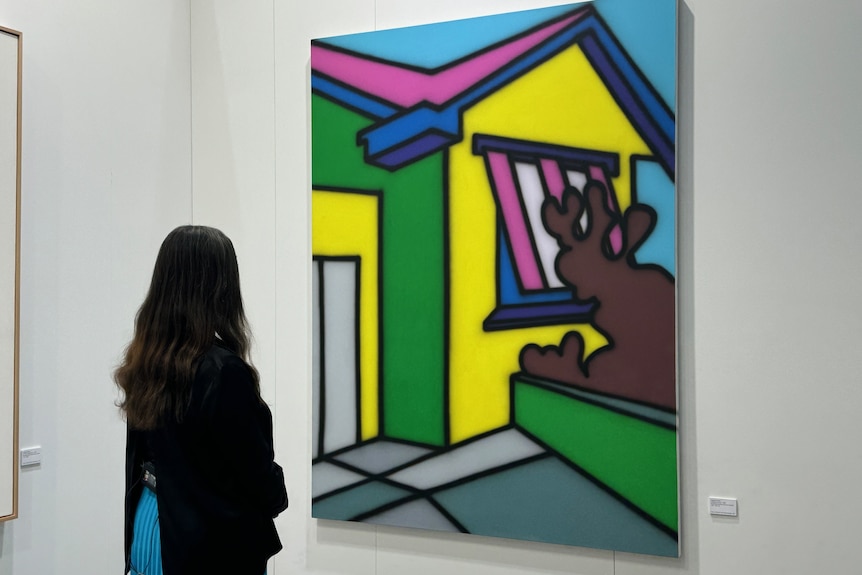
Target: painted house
[{"x": 432, "y": 266}]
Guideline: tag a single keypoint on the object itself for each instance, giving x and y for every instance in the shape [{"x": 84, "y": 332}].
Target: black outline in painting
[
  {"x": 591, "y": 45},
  {"x": 357, "y": 357},
  {"x": 634, "y": 160},
  {"x": 588, "y": 27},
  {"x": 635, "y": 68},
  {"x": 531, "y": 150},
  {"x": 523, "y": 151},
  {"x": 378, "y": 194},
  {"x": 453, "y": 63},
  {"x": 365, "y": 516},
  {"x": 493, "y": 323},
  {"x": 598, "y": 483},
  {"x": 528, "y": 224},
  {"x": 445, "y": 513},
  {"x": 447, "y": 302},
  {"x": 498, "y": 258},
  {"x": 611, "y": 193},
  {"x": 381, "y": 325},
  {"x": 501, "y": 231},
  {"x": 343, "y": 104},
  {"x": 560, "y": 388},
  {"x": 477, "y": 87},
  {"x": 633, "y": 170},
  {"x": 372, "y": 159},
  {"x": 321, "y": 398},
  {"x": 322, "y": 261},
  {"x": 446, "y": 261},
  {"x": 362, "y": 517},
  {"x": 418, "y": 493}
]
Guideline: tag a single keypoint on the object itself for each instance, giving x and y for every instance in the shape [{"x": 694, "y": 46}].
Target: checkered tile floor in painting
[{"x": 503, "y": 484}]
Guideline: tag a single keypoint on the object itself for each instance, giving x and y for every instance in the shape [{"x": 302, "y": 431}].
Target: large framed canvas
[
  {"x": 494, "y": 261},
  {"x": 10, "y": 191}
]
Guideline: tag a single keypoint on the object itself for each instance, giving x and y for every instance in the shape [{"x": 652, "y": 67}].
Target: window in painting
[{"x": 523, "y": 175}]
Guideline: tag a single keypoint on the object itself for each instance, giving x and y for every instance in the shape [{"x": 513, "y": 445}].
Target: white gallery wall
[
  {"x": 139, "y": 117},
  {"x": 106, "y": 173}
]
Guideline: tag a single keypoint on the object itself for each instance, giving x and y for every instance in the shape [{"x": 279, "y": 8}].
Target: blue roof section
[
  {"x": 402, "y": 137},
  {"x": 422, "y": 46},
  {"x": 350, "y": 98},
  {"x": 655, "y": 106}
]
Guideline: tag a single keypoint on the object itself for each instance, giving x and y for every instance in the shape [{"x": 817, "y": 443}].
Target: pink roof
[{"x": 406, "y": 87}]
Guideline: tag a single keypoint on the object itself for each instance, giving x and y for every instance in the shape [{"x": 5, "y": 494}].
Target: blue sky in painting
[
  {"x": 434, "y": 45},
  {"x": 644, "y": 27},
  {"x": 654, "y": 188},
  {"x": 647, "y": 30}
]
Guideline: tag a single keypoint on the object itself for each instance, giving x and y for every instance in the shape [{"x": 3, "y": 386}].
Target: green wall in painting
[{"x": 412, "y": 375}]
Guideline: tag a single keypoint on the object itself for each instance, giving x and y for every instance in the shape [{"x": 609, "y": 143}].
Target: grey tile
[
  {"x": 550, "y": 502},
  {"x": 361, "y": 499},
  {"x": 326, "y": 477},
  {"x": 381, "y": 456},
  {"x": 481, "y": 455},
  {"x": 418, "y": 513}
]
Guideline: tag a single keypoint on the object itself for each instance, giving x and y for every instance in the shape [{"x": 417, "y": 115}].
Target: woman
[{"x": 202, "y": 488}]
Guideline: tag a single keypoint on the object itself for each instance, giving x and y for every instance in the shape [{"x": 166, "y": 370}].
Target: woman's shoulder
[
  {"x": 219, "y": 362},
  {"x": 218, "y": 356},
  {"x": 223, "y": 377}
]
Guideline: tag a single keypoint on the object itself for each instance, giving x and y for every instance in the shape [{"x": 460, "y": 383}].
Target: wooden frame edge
[{"x": 17, "y": 318}]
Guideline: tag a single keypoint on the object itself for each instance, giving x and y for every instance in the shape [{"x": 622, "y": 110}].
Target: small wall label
[
  {"x": 31, "y": 456},
  {"x": 722, "y": 506}
]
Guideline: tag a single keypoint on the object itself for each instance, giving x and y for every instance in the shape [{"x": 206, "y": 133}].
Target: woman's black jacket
[{"x": 218, "y": 486}]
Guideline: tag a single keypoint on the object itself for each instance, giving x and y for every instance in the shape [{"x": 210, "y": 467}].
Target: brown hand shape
[{"x": 635, "y": 309}]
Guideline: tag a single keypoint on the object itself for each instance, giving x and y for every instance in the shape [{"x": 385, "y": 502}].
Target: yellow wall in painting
[
  {"x": 346, "y": 224},
  {"x": 561, "y": 102}
]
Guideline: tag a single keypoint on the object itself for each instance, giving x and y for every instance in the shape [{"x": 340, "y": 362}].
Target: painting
[
  {"x": 494, "y": 262},
  {"x": 10, "y": 192}
]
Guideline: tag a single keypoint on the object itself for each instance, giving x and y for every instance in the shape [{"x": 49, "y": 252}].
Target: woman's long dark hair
[{"x": 194, "y": 301}]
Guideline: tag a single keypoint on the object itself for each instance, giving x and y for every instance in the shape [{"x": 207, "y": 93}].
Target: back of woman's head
[
  {"x": 194, "y": 300},
  {"x": 195, "y": 290}
]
